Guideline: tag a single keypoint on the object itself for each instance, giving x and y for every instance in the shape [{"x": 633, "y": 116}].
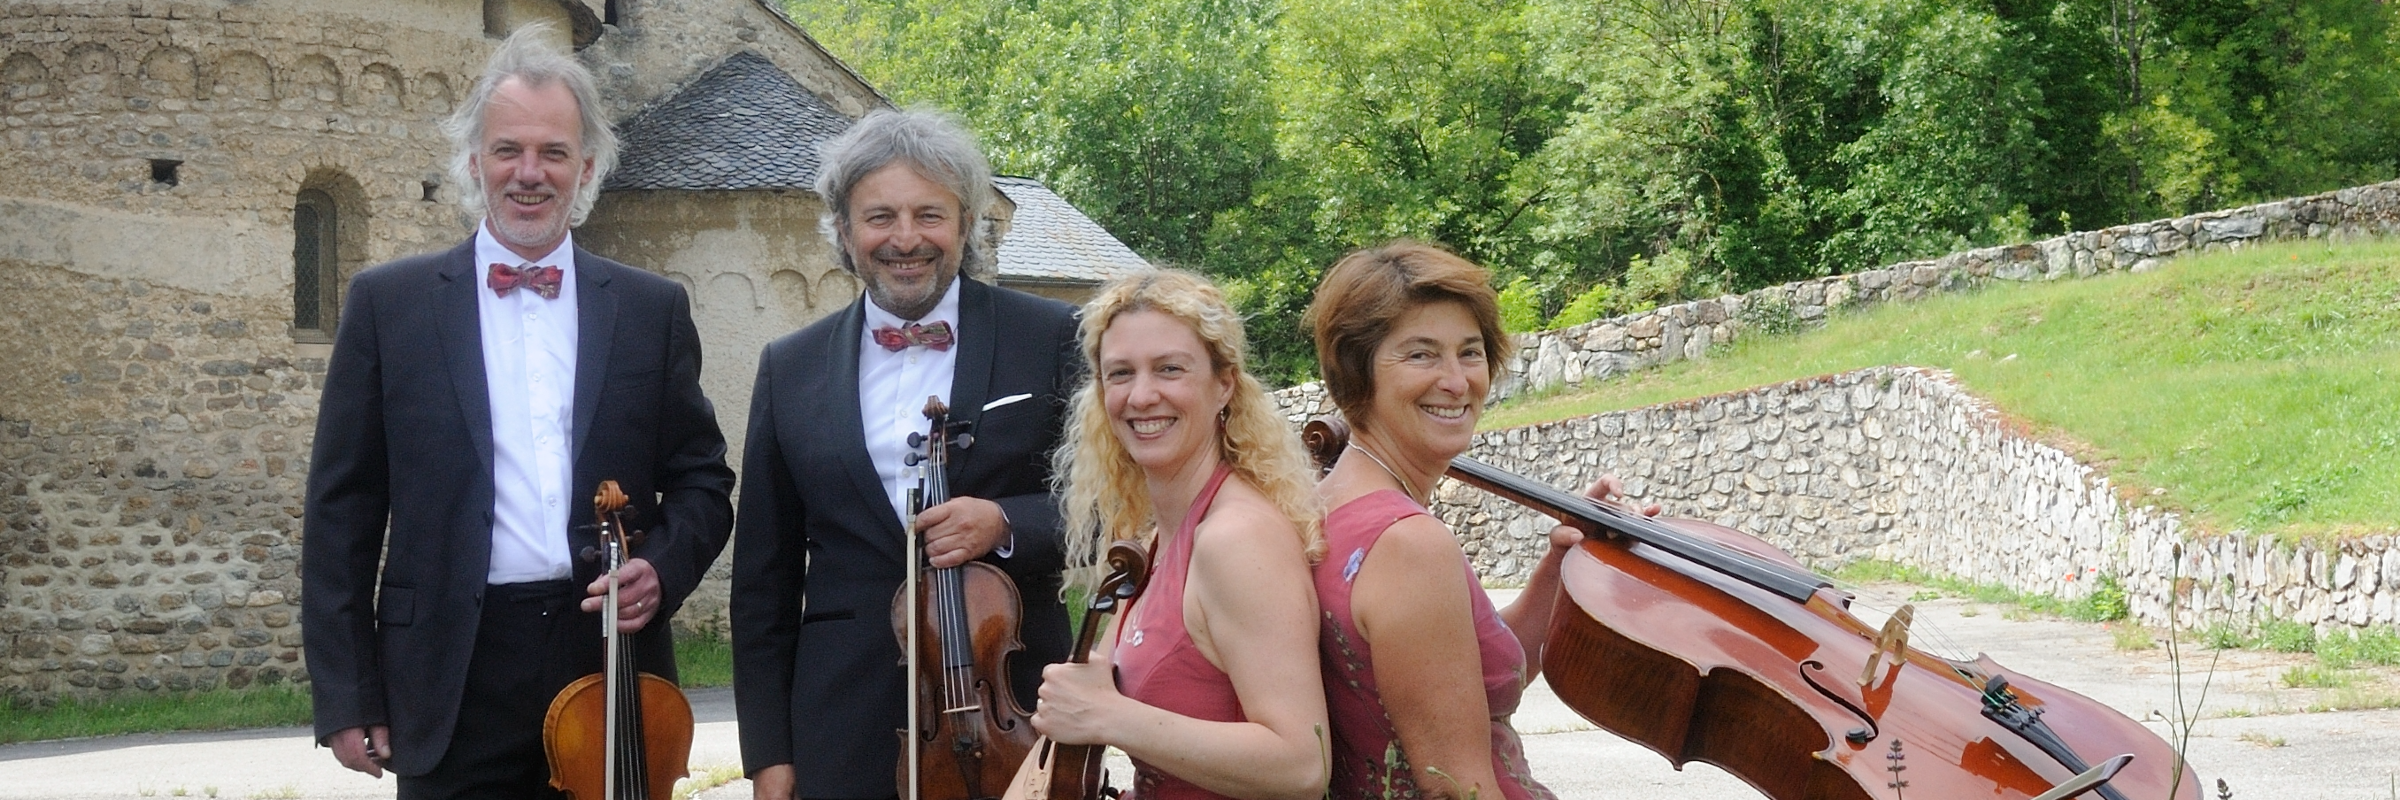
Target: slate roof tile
[
  {"x": 743, "y": 124},
  {"x": 1048, "y": 239}
]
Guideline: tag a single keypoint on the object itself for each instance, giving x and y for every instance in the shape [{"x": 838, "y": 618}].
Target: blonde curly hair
[{"x": 1104, "y": 496}]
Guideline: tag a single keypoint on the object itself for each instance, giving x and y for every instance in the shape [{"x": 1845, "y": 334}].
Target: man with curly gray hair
[
  {"x": 474, "y": 398},
  {"x": 826, "y": 472}
]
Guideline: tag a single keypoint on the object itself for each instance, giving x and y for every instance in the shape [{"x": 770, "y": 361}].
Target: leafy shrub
[
  {"x": 2221, "y": 636},
  {"x": 2379, "y": 646},
  {"x": 1520, "y": 307},
  {"x": 2311, "y": 676},
  {"x": 2106, "y": 602},
  {"x": 1650, "y": 282},
  {"x": 1586, "y": 307},
  {"x": 2343, "y": 649},
  {"x": 1770, "y": 313},
  {"x": 2285, "y": 636},
  {"x": 2337, "y": 650}
]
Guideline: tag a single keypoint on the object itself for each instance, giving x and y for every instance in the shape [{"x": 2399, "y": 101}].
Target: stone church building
[{"x": 187, "y": 185}]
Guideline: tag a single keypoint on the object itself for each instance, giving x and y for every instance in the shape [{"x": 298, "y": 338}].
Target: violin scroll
[
  {"x": 1056, "y": 771},
  {"x": 617, "y": 734}
]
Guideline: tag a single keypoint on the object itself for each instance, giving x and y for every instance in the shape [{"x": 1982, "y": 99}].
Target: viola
[
  {"x": 617, "y": 734},
  {"x": 1077, "y": 771},
  {"x": 1706, "y": 644},
  {"x": 965, "y": 732}
]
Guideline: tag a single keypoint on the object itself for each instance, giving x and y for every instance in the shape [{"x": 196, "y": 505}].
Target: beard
[
  {"x": 908, "y": 301},
  {"x": 541, "y": 231}
]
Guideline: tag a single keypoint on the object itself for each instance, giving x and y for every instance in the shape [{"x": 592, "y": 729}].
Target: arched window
[{"x": 316, "y": 266}]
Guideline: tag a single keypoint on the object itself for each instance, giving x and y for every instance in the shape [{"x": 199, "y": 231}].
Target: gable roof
[
  {"x": 1050, "y": 241},
  {"x": 743, "y": 124}
]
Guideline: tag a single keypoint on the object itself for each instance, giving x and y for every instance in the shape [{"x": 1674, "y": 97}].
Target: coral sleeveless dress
[
  {"x": 1158, "y": 664},
  {"x": 1362, "y": 729}
]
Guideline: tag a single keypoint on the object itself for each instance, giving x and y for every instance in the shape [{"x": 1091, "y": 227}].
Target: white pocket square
[{"x": 1005, "y": 401}]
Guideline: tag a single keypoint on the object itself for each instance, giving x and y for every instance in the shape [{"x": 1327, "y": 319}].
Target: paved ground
[{"x": 2255, "y": 734}]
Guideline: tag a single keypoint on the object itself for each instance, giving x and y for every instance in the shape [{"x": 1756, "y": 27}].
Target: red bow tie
[
  {"x": 542, "y": 280},
  {"x": 936, "y": 336}
]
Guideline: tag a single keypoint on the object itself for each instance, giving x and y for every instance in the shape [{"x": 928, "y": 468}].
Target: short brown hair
[{"x": 1369, "y": 289}]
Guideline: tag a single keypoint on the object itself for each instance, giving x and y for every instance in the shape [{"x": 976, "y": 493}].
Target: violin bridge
[{"x": 1894, "y": 640}]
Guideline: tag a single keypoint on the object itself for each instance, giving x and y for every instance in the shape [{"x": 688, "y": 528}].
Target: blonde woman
[{"x": 1215, "y": 690}]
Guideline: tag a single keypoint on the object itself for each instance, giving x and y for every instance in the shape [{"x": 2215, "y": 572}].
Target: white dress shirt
[
  {"x": 892, "y": 387},
  {"x": 529, "y": 366}
]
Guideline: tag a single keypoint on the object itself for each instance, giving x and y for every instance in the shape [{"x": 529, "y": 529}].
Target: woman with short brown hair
[{"x": 1408, "y": 336}]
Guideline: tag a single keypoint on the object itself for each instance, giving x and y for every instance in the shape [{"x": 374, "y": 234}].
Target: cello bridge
[{"x": 1893, "y": 641}]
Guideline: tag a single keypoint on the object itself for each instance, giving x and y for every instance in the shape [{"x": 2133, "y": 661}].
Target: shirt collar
[
  {"x": 945, "y": 310},
  {"x": 489, "y": 250}
]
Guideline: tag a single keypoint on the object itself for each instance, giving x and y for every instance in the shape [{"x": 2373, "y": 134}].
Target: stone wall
[
  {"x": 156, "y": 402},
  {"x": 657, "y": 45},
  {"x": 1593, "y": 351},
  {"x": 155, "y": 423},
  {"x": 1901, "y": 464}
]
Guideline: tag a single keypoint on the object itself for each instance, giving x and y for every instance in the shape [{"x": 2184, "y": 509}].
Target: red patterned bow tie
[
  {"x": 936, "y": 336},
  {"x": 542, "y": 280}
]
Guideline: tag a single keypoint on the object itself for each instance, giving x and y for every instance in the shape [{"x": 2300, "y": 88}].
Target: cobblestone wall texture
[{"x": 1901, "y": 464}]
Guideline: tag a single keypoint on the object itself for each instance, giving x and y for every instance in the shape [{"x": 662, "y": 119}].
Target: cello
[
  {"x": 617, "y": 734},
  {"x": 1703, "y": 643},
  {"x": 1056, "y": 771},
  {"x": 965, "y": 733}
]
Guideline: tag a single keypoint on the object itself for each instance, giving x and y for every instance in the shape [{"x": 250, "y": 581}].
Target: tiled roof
[
  {"x": 744, "y": 124},
  {"x": 1049, "y": 240}
]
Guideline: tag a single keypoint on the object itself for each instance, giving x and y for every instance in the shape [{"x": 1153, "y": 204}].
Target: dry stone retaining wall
[
  {"x": 1596, "y": 350},
  {"x": 1901, "y": 464}
]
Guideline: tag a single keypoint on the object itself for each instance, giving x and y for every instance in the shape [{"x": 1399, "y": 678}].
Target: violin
[
  {"x": 1076, "y": 771},
  {"x": 1706, "y": 644},
  {"x": 965, "y": 734},
  {"x": 617, "y": 734}
]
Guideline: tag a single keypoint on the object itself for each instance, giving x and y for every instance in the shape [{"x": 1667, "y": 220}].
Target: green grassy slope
[{"x": 2258, "y": 389}]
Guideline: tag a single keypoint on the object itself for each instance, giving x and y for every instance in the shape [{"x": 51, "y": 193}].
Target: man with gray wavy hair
[
  {"x": 826, "y": 472},
  {"x": 475, "y": 398}
]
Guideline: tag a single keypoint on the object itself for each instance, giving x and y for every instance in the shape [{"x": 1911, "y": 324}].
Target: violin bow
[{"x": 916, "y": 745}]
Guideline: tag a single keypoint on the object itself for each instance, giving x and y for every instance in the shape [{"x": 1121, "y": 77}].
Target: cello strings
[{"x": 1920, "y": 629}]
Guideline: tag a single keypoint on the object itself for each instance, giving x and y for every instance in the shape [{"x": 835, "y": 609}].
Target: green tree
[
  {"x": 1414, "y": 119},
  {"x": 1635, "y": 152},
  {"x": 1149, "y": 115}
]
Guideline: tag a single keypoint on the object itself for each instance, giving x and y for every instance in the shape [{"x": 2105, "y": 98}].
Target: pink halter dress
[
  {"x": 1366, "y": 756},
  {"x": 1158, "y": 664}
]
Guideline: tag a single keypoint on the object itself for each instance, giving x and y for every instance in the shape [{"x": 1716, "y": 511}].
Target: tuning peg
[
  {"x": 964, "y": 440},
  {"x": 916, "y": 440},
  {"x": 590, "y": 554},
  {"x": 912, "y": 459}
]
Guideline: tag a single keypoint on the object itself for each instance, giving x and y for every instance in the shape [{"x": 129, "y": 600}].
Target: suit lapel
[
  {"x": 849, "y": 431},
  {"x": 970, "y": 381},
  {"x": 461, "y": 335},
  {"x": 595, "y": 333}
]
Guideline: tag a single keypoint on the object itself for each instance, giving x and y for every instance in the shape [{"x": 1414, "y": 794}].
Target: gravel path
[{"x": 2254, "y": 733}]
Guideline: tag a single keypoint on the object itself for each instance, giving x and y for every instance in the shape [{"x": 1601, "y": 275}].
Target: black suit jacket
[
  {"x": 817, "y": 675},
  {"x": 404, "y": 434}
]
